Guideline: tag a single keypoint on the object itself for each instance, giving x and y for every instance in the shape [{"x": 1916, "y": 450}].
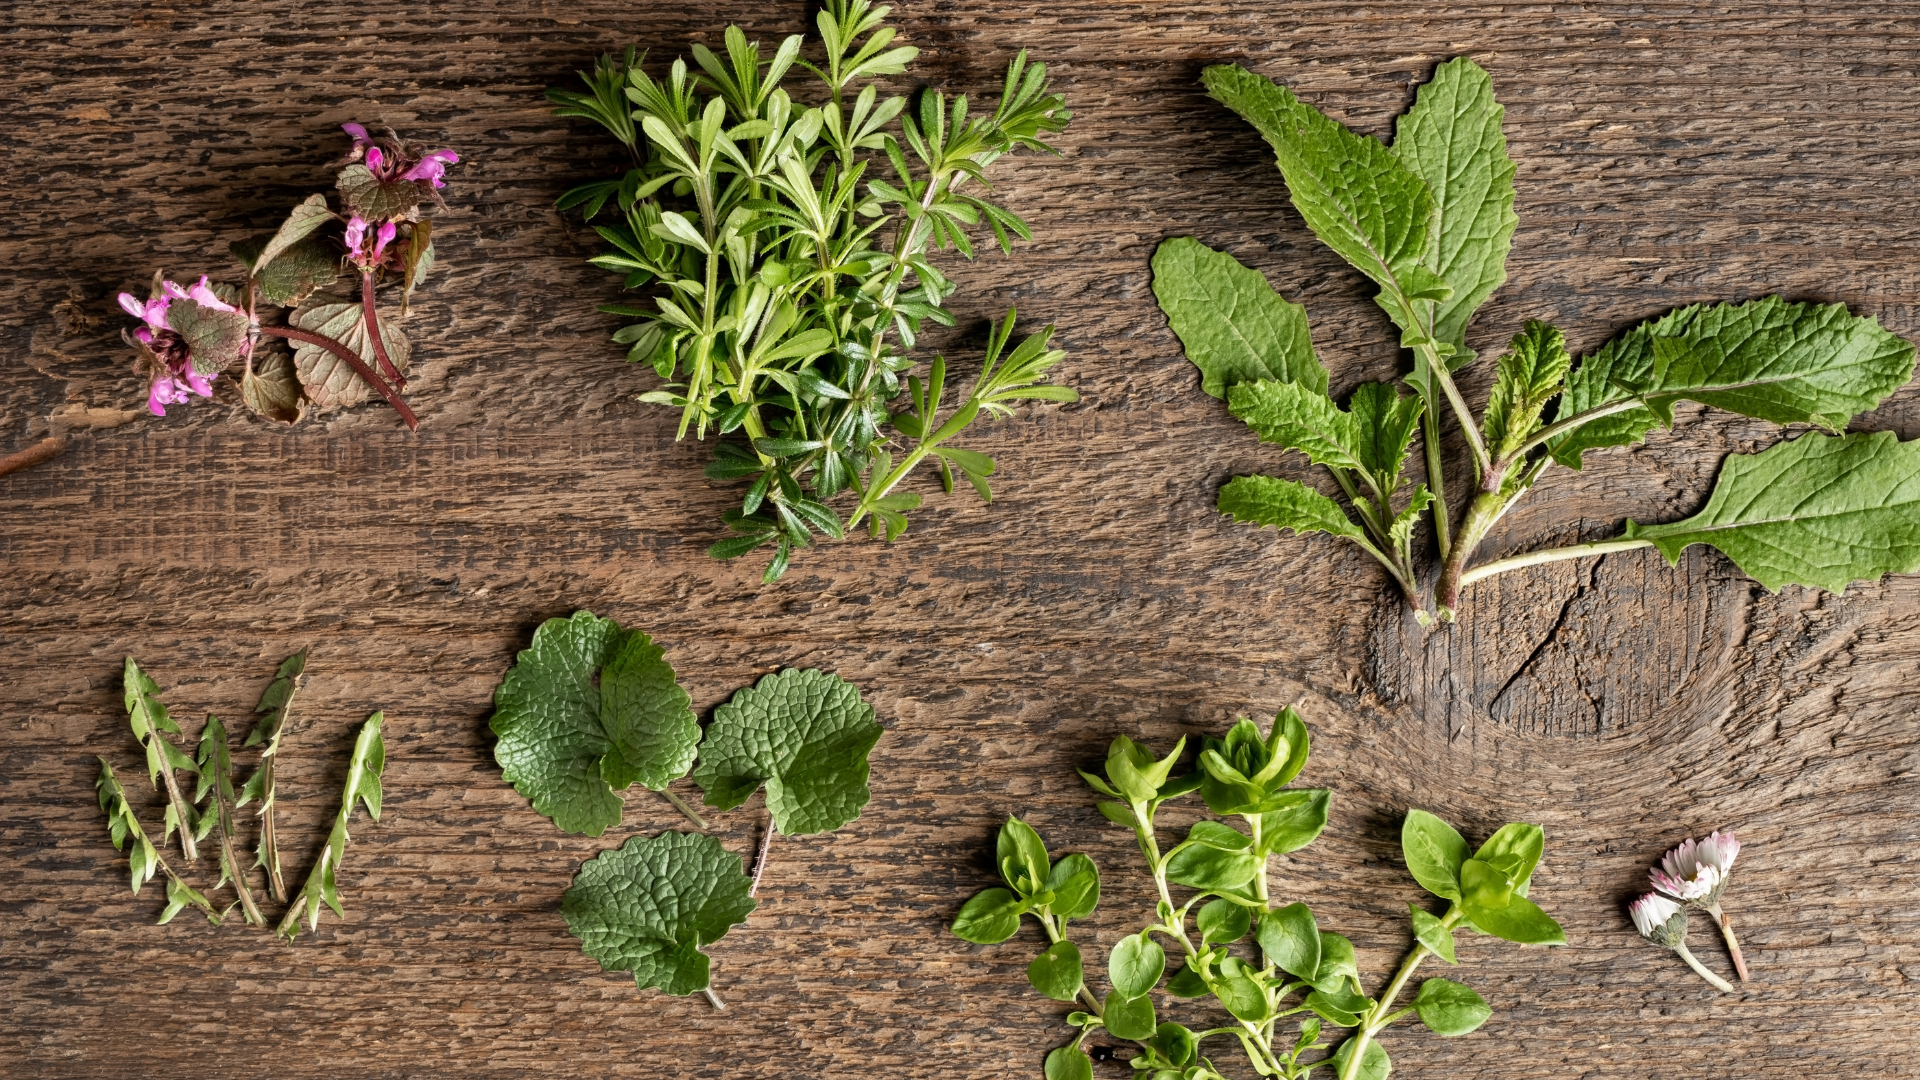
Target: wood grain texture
[{"x": 1668, "y": 153}]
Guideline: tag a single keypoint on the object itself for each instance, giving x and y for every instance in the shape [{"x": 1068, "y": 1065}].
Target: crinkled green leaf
[
  {"x": 649, "y": 906},
  {"x": 1820, "y": 510},
  {"x": 1769, "y": 359},
  {"x": 1357, "y": 196},
  {"x": 299, "y": 272},
  {"x": 327, "y": 379},
  {"x": 1298, "y": 418},
  {"x": 1234, "y": 327},
  {"x": 1288, "y": 504},
  {"x": 1451, "y": 138},
  {"x": 806, "y": 735},
  {"x": 1384, "y": 423},
  {"x": 587, "y": 706},
  {"x": 306, "y": 219},
  {"x": 215, "y": 338},
  {"x": 367, "y": 196},
  {"x": 271, "y": 389},
  {"x": 1530, "y": 374}
]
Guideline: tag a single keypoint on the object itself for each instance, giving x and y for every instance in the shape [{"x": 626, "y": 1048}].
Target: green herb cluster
[
  {"x": 591, "y": 709},
  {"x": 198, "y": 816},
  {"x": 1430, "y": 220},
  {"x": 788, "y": 251},
  {"x": 1290, "y": 967}
]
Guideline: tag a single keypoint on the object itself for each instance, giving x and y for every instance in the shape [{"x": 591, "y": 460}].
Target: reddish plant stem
[
  {"x": 373, "y": 332},
  {"x": 32, "y": 455},
  {"x": 358, "y": 365}
]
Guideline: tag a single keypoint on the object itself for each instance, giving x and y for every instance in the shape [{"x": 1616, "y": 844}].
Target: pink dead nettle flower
[
  {"x": 368, "y": 255},
  {"x": 395, "y": 159},
  {"x": 168, "y": 362}
]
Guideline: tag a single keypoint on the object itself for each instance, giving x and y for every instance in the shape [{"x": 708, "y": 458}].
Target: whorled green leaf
[
  {"x": 1434, "y": 852},
  {"x": 1212, "y": 869},
  {"x": 587, "y": 706},
  {"x": 1237, "y": 989},
  {"x": 327, "y": 379},
  {"x": 1223, "y": 922},
  {"x": 1290, "y": 939},
  {"x": 651, "y": 904},
  {"x": 1357, "y": 196},
  {"x": 1286, "y": 504},
  {"x": 805, "y": 735},
  {"x": 1021, "y": 856},
  {"x": 1767, "y": 358},
  {"x": 366, "y": 195},
  {"x": 215, "y": 338},
  {"x": 1057, "y": 972},
  {"x": 271, "y": 389},
  {"x": 1452, "y": 139},
  {"x": 1135, "y": 965},
  {"x": 1296, "y": 823},
  {"x": 1129, "y": 1018},
  {"x": 1449, "y": 1008},
  {"x": 1533, "y": 370},
  {"x": 1823, "y": 511},
  {"x": 1234, "y": 327},
  {"x": 1075, "y": 884},
  {"x": 990, "y": 917},
  {"x": 1428, "y": 930}
]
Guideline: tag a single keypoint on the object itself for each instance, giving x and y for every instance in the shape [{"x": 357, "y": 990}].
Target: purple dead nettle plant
[
  {"x": 313, "y": 283},
  {"x": 1692, "y": 874}
]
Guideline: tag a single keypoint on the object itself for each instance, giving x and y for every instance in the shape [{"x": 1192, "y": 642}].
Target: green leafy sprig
[
  {"x": 216, "y": 776},
  {"x": 591, "y": 708},
  {"x": 363, "y": 785},
  {"x": 787, "y": 252},
  {"x": 269, "y": 726},
  {"x": 143, "y": 858},
  {"x": 151, "y": 724},
  {"x": 1430, "y": 220},
  {"x": 1291, "y": 968}
]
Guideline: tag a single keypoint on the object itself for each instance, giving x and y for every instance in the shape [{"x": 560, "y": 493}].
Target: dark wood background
[{"x": 1668, "y": 153}]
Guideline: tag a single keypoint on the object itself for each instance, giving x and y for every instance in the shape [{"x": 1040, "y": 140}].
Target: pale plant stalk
[{"x": 1379, "y": 1015}]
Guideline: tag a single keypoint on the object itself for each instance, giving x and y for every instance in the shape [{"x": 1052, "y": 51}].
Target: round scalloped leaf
[
  {"x": 299, "y": 271},
  {"x": 650, "y": 904},
  {"x": 270, "y": 389},
  {"x": 214, "y": 338},
  {"x": 327, "y": 379},
  {"x": 805, "y": 735},
  {"x": 587, "y": 708},
  {"x": 377, "y": 202}
]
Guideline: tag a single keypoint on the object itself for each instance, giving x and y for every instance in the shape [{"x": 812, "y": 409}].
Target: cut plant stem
[
  {"x": 760, "y": 860},
  {"x": 713, "y": 997},
  {"x": 1733, "y": 943},
  {"x": 1549, "y": 555},
  {"x": 348, "y": 357},
  {"x": 1380, "y": 1015},
  {"x": 45, "y": 450},
  {"x": 1715, "y": 981},
  {"x": 373, "y": 332},
  {"x": 680, "y": 805}
]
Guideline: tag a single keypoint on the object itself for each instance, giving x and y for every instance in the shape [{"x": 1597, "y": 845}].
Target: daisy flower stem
[
  {"x": 1716, "y": 981},
  {"x": 1733, "y": 943}
]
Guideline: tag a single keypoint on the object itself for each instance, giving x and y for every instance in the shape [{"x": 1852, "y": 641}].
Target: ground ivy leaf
[
  {"x": 366, "y": 196},
  {"x": 1355, "y": 194},
  {"x": 1530, "y": 374},
  {"x": 1451, "y": 138},
  {"x": 1287, "y": 504},
  {"x": 650, "y": 904},
  {"x": 647, "y": 717},
  {"x": 1769, "y": 359},
  {"x": 1234, "y": 326},
  {"x": 271, "y": 388},
  {"x": 805, "y": 734},
  {"x": 566, "y": 726},
  {"x": 304, "y": 221},
  {"x": 327, "y": 379},
  {"x": 1820, "y": 510},
  {"x": 299, "y": 272}
]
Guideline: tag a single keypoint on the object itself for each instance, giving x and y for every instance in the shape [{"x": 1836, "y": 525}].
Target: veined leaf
[
  {"x": 1270, "y": 500},
  {"x": 304, "y": 221},
  {"x": 1530, "y": 374},
  {"x": 327, "y": 379},
  {"x": 1451, "y": 138},
  {"x": 1767, "y": 358},
  {"x": 1234, "y": 326},
  {"x": 1820, "y": 510},
  {"x": 1293, "y": 416},
  {"x": 1357, "y": 196},
  {"x": 649, "y": 905},
  {"x": 806, "y": 736},
  {"x": 369, "y": 760}
]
